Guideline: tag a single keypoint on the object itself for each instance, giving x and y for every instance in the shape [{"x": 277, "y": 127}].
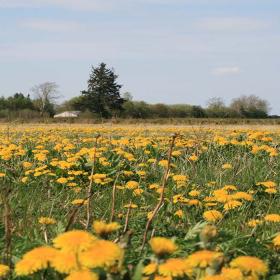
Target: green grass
[{"x": 43, "y": 196}]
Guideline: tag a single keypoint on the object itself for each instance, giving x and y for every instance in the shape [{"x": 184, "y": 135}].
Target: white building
[{"x": 68, "y": 114}]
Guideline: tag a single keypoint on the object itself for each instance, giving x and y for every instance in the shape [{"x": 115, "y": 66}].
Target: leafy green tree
[
  {"x": 19, "y": 102},
  {"x": 73, "y": 104},
  {"x": 198, "y": 112},
  {"x": 137, "y": 110},
  {"x": 160, "y": 110},
  {"x": 103, "y": 93},
  {"x": 180, "y": 110},
  {"x": 3, "y": 103}
]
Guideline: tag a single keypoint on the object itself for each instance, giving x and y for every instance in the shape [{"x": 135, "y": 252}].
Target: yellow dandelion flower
[
  {"x": 132, "y": 185},
  {"x": 137, "y": 192},
  {"x": 231, "y": 273},
  {"x": 24, "y": 179},
  {"x": 211, "y": 184},
  {"x": 242, "y": 196},
  {"x": 274, "y": 218},
  {"x": 47, "y": 221},
  {"x": 4, "y": 270},
  {"x": 162, "y": 246},
  {"x": 193, "y": 158},
  {"x": 26, "y": 164},
  {"x": 35, "y": 260},
  {"x": 150, "y": 269},
  {"x": 176, "y": 153},
  {"x": 210, "y": 204},
  {"x": 151, "y": 160},
  {"x": 62, "y": 180},
  {"x": 74, "y": 241},
  {"x": 82, "y": 275},
  {"x": 203, "y": 259},
  {"x": 80, "y": 201},
  {"x": 254, "y": 222},
  {"x": 103, "y": 229},
  {"x": 212, "y": 215},
  {"x": 214, "y": 277},
  {"x": 163, "y": 163},
  {"x": 267, "y": 184},
  {"x": 222, "y": 195},
  {"x": 194, "y": 202},
  {"x": 65, "y": 262},
  {"x": 174, "y": 268},
  {"x": 127, "y": 173},
  {"x": 131, "y": 205},
  {"x": 276, "y": 241},
  {"x": 102, "y": 253},
  {"x": 160, "y": 190},
  {"x": 271, "y": 190},
  {"x": 159, "y": 277},
  {"x": 194, "y": 193},
  {"x": 232, "y": 204},
  {"x": 71, "y": 184},
  {"x": 98, "y": 178},
  {"x": 141, "y": 173},
  {"x": 179, "y": 213},
  {"x": 149, "y": 215},
  {"x": 2, "y": 175},
  {"x": 250, "y": 265},
  {"x": 180, "y": 178},
  {"x": 154, "y": 186},
  {"x": 227, "y": 166}
]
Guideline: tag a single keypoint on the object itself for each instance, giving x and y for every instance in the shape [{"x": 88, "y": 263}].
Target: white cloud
[
  {"x": 227, "y": 70},
  {"x": 231, "y": 24},
  {"x": 69, "y": 4},
  {"x": 97, "y": 5},
  {"x": 51, "y": 25}
]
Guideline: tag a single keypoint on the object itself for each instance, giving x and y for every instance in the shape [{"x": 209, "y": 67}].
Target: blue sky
[{"x": 171, "y": 51}]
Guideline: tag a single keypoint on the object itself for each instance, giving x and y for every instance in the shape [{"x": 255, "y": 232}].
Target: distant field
[
  {"x": 162, "y": 121},
  {"x": 210, "y": 191}
]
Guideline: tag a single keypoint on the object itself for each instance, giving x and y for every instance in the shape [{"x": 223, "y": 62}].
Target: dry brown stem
[{"x": 164, "y": 181}]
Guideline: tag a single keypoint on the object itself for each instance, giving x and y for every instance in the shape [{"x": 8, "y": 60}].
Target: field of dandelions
[{"x": 116, "y": 202}]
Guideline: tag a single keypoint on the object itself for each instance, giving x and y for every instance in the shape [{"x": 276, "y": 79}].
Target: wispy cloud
[
  {"x": 51, "y": 25},
  {"x": 231, "y": 24},
  {"x": 69, "y": 4},
  {"x": 225, "y": 71},
  {"x": 97, "y": 5}
]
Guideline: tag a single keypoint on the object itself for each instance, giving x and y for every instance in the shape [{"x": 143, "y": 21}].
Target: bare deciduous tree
[
  {"x": 250, "y": 106},
  {"x": 45, "y": 94},
  {"x": 216, "y": 108}
]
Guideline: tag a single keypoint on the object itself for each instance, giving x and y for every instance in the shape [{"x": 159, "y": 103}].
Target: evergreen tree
[
  {"x": 103, "y": 94},
  {"x": 19, "y": 102}
]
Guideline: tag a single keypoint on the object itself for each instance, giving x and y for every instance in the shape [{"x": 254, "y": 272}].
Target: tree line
[{"x": 103, "y": 99}]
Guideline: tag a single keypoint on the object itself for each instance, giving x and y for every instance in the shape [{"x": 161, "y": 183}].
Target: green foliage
[
  {"x": 103, "y": 93},
  {"x": 19, "y": 102},
  {"x": 42, "y": 195}
]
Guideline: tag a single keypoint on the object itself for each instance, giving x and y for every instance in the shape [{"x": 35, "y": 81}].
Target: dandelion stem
[
  {"x": 113, "y": 199},
  {"x": 89, "y": 214},
  {"x": 46, "y": 235},
  {"x": 164, "y": 181},
  {"x": 127, "y": 218}
]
